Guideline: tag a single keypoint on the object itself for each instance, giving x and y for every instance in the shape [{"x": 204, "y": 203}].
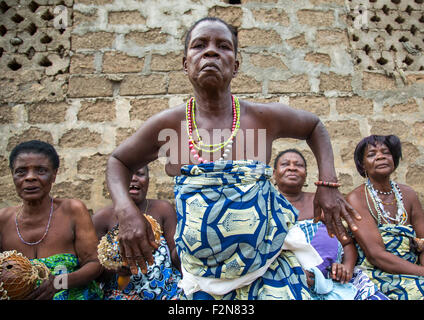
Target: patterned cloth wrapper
[
  {"x": 66, "y": 263},
  {"x": 159, "y": 283},
  {"x": 397, "y": 240},
  {"x": 367, "y": 290},
  {"x": 331, "y": 251},
  {"x": 231, "y": 221}
]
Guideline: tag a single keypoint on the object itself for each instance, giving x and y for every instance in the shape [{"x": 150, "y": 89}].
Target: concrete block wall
[{"x": 116, "y": 62}]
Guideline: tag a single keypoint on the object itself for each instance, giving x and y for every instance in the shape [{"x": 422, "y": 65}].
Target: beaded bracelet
[{"x": 327, "y": 184}]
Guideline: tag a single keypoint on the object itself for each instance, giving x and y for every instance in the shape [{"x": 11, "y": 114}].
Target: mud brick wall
[{"x": 84, "y": 75}]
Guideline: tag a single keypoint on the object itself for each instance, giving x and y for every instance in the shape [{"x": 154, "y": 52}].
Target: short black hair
[
  {"x": 232, "y": 29},
  {"x": 287, "y": 151},
  {"x": 35, "y": 146},
  {"x": 391, "y": 141}
]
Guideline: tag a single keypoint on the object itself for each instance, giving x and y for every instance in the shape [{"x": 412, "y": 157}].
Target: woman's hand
[
  {"x": 340, "y": 273},
  {"x": 45, "y": 291},
  {"x": 335, "y": 208},
  {"x": 136, "y": 239}
]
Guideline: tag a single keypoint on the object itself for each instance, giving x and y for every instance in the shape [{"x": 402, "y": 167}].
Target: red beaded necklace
[{"x": 210, "y": 148}]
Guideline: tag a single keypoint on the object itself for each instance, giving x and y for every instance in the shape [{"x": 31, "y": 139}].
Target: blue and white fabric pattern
[{"x": 232, "y": 222}]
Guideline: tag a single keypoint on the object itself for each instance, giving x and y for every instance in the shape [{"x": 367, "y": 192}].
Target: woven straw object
[
  {"x": 108, "y": 248},
  {"x": 18, "y": 275}
]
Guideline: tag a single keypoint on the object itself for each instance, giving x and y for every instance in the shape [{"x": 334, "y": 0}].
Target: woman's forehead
[
  {"x": 211, "y": 28},
  {"x": 142, "y": 171},
  {"x": 290, "y": 156},
  {"x": 32, "y": 157},
  {"x": 375, "y": 145}
]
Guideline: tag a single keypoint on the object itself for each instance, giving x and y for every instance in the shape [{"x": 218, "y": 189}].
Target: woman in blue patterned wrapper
[
  {"x": 160, "y": 281},
  {"x": 55, "y": 231},
  {"x": 232, "y": 223},
  {"x": 336, "y": 278},
  {"x": 390, "y": 233}
]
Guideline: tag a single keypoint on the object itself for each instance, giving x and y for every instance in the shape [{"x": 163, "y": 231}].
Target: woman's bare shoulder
[
  {"x": 356, "y": 193},
  {"x": 406, "y": 189},
  {"x": 174, "y": 113},
  {"x": 263, "y": 107},
  {"x": 6, "y": 213},
  {"x": 161, "y": 207},
  {"x": 71, "y": 206}
]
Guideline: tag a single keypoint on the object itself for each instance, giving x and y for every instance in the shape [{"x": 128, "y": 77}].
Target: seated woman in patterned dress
[
  {"x": 160, "y": 282},
  {"x": 392, "y": 222},
  {"x": 55, "y": 231},
  {"x": 339, "y": 258}
]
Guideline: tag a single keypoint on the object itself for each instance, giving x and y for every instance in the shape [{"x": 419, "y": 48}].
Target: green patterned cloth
[
  {"x": 396, "y": 286},
  {"x": 67, "y": 263}
]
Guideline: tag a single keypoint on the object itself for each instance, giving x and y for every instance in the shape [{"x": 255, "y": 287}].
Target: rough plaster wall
[{"x": 89, "y": 85}]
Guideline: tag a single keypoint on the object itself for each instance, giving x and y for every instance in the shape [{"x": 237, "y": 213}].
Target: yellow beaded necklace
[{"x": 210, "y": 148}]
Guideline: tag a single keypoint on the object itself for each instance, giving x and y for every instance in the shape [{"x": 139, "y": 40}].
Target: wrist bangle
[{"x": 327, "y": 184}]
